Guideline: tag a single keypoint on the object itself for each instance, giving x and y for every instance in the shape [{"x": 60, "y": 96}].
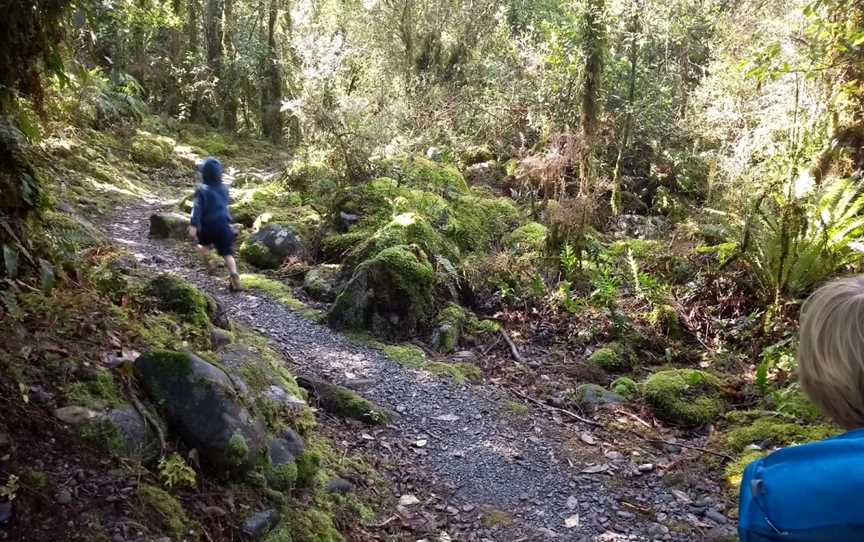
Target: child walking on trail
[
  {"x": 813, "y": 492},
  {"x": 211, "y": 222}
]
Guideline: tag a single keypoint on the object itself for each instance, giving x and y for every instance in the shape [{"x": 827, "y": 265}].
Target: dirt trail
[{"x": 480, "y": 459}]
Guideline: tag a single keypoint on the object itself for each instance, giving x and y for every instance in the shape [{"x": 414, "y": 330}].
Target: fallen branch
[
  {"x": 148, "y": 418},
  {"x": 556, "y": 409},
  {"x": 513, "y": 350},
  {"x": 687, "y": 446}
]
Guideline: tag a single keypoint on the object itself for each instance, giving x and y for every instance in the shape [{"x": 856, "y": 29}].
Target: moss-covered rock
[
  {"x": 591, "y": 396},
  {"x": 201, "y": 404},
  {"x": 391, "y": 294},
  {"x": 175, "y": 295},
  {"x": 151, "y": 150},
  {"x": 477, "y": 222},
  {"x": 343, "y": 402},
  {"x": 423, "y": 174},
  {"x": 161, "y": 508},
  {"x": 271, "y": 245},
  {"x": 307, "y": 525},
  {"x": 476, "y": 154},
  {"x": 168, "y": 226},
  {"x": 684, "y": 396},
  {"x": 612, "y": 358},
  {"x": 405, "y": 229},
  {"x": 527, "y": 238},
  {"x": 320, "y": 282}
]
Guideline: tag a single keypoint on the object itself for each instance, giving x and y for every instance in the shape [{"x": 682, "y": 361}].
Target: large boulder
[
  {"x": 341, "y": 401},
  {"x": 202, "y": 406},
  {"x": 390, "y": 294},
  {"x": 321, "y": 281},
  {"x": 168, "y": 226},
  {"x": 271, "y": 245}
]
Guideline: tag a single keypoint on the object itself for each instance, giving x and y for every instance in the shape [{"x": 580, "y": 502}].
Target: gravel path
[{"x": 489, "y": 460}]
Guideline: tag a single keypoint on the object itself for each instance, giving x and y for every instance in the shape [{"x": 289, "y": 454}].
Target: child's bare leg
[
  {"x": 234, "y": 279},
  {"x": 231, "y": 264},
  {"x": 204, "y": 252}
]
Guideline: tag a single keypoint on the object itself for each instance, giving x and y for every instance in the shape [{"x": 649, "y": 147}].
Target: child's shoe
[{"x": 234, "y": 282}]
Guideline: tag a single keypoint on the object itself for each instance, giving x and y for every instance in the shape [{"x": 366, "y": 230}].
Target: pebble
[
  {"x": 339, "y": 485},
  {"x": 612, "y": 455},
  {"x": 715, "y": 516},
  {"x": 64, "y": 496},
  {"x": 257, "y": 525},
  {"x": 624, "y": 514},
  {"x": 647, "y": 467}
]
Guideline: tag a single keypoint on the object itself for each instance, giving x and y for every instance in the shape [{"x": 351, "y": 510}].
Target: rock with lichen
[
  {"x": 686, "y": 397},
  {"x": 175, "y": 295},
  {"x": 202, "y": 406},
  {"x": 390, "y": 294},
  {"x": 343, "y": 402},
  {"x": 320, "y": 282},
  {"x": 271, "y": 245},
  {"x": 168, "y": 226}
]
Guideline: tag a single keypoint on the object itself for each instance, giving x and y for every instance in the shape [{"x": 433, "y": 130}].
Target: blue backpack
[{"x": 808, "y": 493}]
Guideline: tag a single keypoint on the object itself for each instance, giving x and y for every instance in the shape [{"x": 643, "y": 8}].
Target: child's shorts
[{"x": 219, "y": 236}]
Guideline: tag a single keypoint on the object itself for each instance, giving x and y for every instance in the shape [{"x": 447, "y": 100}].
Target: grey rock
[
  {"x": 639, "y": 226},
  {"x": 75, "y": 415},
  {"x": 339, "y": 485},
  {"x": 140, "y": 439},
  {"x": 716, "y": 516},
  {"x": 445, "y": 338},
  {"x": 237, "y": 228},
  {"x": 360, "y": 384},
  {"x": 293, "y": 442},
  {"x": 321, "y": 282},
  {"x": 276, "y": 394},
  {"x": 201, "y": 405},
  {"x": 220, "y": 337},
  {"x": 591, "y": 396},
  {"x": 168, "y": 226},
  {"x": 434, "y": 154},
  {"x": 260, "y": 523},
  {"x": 219, "y": 318},
  {"x": 40, "y": 395},
  {"x": 278, "y": 454},
  {"x": 646, "y": 467},
  {"x": 275, "y": 243},
  {"x": 64, "y": 496},
  {"x": 348, "y": 219},
  {"x": 485, "y": 173}
]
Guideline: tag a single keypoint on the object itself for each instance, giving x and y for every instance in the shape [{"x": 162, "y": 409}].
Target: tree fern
[{"x": 822, "y": 234}]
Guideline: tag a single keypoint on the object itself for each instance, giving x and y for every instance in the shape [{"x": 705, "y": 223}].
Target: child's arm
[{"x": 195, "y": 219}]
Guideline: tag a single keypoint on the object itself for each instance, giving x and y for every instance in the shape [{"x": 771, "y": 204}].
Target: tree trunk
[
  {"x": 628, "y": 119},
  {"x": 229, "y": 79},
  {"x": 271, "y": 91},
  {"x": 213, "y": 32},
  {"x": 593, "y": 46}
]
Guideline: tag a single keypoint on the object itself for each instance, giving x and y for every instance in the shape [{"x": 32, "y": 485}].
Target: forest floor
[{"x": 484, "y": 461}]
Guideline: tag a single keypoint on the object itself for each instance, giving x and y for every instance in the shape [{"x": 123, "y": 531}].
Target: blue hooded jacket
[
  {"x": 808, "y": 493},
  {"x": 210, "y": 209}
]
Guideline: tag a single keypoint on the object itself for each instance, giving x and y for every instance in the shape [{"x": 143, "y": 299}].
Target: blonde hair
[{"x": 831, "y": 350}]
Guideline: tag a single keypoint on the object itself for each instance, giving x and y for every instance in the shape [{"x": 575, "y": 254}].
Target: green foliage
[
  {"x": 808, "y": 239},
  {"x": 527, "y": 238},
  {"x": 613, "y": 358},
  {"x": 166, "y": 510},
  {"x": 174, "y": 472},
  {"x": 152, "y": 150},
  {"x": 569, "y": 260},
  {"x": 625, "y": 387},
  {"x": 9, "y": 490},
  {"x": 768, "y": 432}
]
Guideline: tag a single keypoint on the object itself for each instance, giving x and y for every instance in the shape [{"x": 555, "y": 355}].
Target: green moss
[
  {"x": 281, "y": 477},
  {"x": 665, "y": 319},
  {"x": 477, "y": 222},
  {"x": 276, "y": 289},
  {"x": 308, "y": 525},
  {"x": 308, "y": 466},
  {"x": 625, "y": 387},
  {"x": 175, "y": 295},
  {"x": 343, "y": 402},
  {"x": 391, "y": 294},
  {"x": 336, "y": 247},
  {"x": 794, "y": 403},
  {"x": 35, "y": 481},
  {"x": 773, "y": 432},
  {"x": 609, "y": 358},
  {"x": 528, "y": 238},
  {"x": 96, "y": 394},
  {"x": 494, "y": 519},
  {"x": 64, "y": 237},
  {"x": 212, "y": 143},
  {"x": 167, "y": 511},
  {"x": 426, "y": 175},
  {"x": 515, "y": 408},
  {"x": 405, "y": 355},
  {"x": 476, "y": 155},
  {"x": 469, "y": 371},
  {"x": 684, "y": 396},
  {"x": 258, "y": 255},
  {"x": 238, "y": 448},
  {"x": 151, "y": 150}
]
